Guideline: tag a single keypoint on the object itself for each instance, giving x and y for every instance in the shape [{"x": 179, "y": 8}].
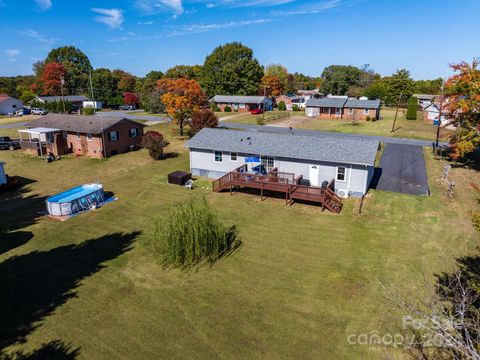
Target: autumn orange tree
[
  {"x": 462, "y": 104},
  {"x": 182, "y": 97},
  {"x": 51, "y": 78},
  {"x": 273, "y": 85}
]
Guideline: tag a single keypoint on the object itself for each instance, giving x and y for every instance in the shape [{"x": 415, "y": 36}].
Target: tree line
[{"x": 230, "y": 69}]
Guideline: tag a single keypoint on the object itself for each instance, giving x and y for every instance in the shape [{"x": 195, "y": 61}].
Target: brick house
[
  {"x": 242, "y": 103},
  {"x": 291, "y": 100},
  {"x": 93, "y": 136},
  {"x": 343, "y": 108}
]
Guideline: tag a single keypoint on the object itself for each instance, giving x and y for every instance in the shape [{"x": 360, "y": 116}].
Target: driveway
[
  {"x": 131, "y": 115},
  {"x": 285, "y": 130},
  {"x": 402, "y": 169}
]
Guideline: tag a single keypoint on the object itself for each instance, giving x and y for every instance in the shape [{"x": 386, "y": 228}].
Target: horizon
[{"x": 120, "y": 35}]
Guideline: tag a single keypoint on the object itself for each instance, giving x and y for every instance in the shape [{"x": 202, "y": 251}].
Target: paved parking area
[{"x": 402, "y": 169}]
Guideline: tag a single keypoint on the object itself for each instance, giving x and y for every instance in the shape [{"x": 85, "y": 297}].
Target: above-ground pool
[{"x": 75, "y": 200}]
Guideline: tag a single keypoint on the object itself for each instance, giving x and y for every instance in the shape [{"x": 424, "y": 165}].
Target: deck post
[{"x": 261, "y": 193}]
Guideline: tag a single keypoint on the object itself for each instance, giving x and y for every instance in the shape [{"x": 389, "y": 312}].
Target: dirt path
[{"x": 293, "y": 121}]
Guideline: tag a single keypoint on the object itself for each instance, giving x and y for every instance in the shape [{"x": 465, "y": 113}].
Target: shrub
[
  {"x": 191, "y": 233},
  {"x": 368, "y": 118},
  {"x": 214, "y": 107},
  {"x": 201, "y": 119},
  {"x": 227, "y": 109},
  {"x": 282, "y": 106},
  {"x": 295, "y": 107},
  {"x": 412, "y": 108},
  {"x": 154, "y": 142},
  {"x": 88, "y": 111}
]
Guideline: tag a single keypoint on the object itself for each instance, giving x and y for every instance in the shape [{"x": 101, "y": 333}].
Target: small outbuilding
[{"x": 8, "y": 104}]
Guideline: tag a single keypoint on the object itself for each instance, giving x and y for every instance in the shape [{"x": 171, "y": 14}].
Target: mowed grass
[
  {"x": 300, "y": 283},
  {"x": 414, "y": 129}
]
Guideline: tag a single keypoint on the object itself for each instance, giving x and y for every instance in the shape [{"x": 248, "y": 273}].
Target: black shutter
[
  {"x": 109, "y": 137},
  {"x": 118, "y": 135},
  {"x": 129, "y": 133}
]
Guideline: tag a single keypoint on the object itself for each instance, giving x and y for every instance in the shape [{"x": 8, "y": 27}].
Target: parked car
[
  {"x": 256, "y": 111},
  {"x": 8, "y": 144},
  {"x": 39, "y": 111},
  {"x": 127, "y": 107},
  {"x": 21, "y": 112}
]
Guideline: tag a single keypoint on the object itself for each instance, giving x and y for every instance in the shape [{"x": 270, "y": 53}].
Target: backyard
[{"x": 300, "y": 283}]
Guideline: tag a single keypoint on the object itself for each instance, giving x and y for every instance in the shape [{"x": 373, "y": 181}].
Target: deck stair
[{"x": 280, "y": 182}]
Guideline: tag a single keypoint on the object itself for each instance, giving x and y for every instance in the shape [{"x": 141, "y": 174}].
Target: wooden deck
[{"x": 283, "y": 183}]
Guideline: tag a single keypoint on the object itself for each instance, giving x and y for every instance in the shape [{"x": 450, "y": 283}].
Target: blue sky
[{"x": 424, "y": 36}]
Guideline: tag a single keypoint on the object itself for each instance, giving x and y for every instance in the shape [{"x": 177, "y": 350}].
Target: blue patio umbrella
[{"x": 252, "y": 159}]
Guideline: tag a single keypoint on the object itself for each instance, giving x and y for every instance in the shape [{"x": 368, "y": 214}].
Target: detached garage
[{"x": 9, "y": 105}]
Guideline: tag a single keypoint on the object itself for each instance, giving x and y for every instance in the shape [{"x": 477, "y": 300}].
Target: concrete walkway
[{"x": 284, "y": 130}]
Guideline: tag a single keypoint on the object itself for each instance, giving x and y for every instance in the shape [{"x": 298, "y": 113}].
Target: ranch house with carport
[
  {"x": 242, "y": 103},
  {"x": 343, "y": 108},
  {"x": 92, "y": 136},
  {"x": 348, "y": 164}
]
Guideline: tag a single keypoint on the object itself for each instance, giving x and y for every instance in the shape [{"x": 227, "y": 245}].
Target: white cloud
[
  {"x": 44, "y": 4},
  {"x": 158, "y": 6},
  {"x": 145, "y": 22},
  {"x": 312, "y": 9},
  {"x": 113, "y": 18},
  {"x": 200, "y": 28},
  {"x": 247, "y": 3},
  {"x": 40, "y": 37},
  {"x": 12, "y": 54}
]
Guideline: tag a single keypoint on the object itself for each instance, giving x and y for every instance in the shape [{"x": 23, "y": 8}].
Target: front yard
[{"x": 301, "y": 282}]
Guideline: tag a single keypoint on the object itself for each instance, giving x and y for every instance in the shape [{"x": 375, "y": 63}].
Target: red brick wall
[
  {"x": 247, "y": 108},
  {"x": 358, "y": 114},
  {"x": 122, "y": 145},
  {"x": 83, "y": 146}
]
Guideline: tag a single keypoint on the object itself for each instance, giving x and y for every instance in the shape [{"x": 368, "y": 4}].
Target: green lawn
[
  {"x": 415, "y": 129},
  {"x": 301, "y": 282},
  {"x": 252, "y": 119},
  {"x": 145, "y": 113}
]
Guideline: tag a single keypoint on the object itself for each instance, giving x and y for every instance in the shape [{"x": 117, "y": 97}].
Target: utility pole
[
  {"x": 95, "y": 112},
  {"x": 91, "y": 90},
  {"x": 440, "y": 112},
  {"x": 396, "y": 113},
  {"x": 62, "y": 81},
  {"x": 263, "y": 104}
]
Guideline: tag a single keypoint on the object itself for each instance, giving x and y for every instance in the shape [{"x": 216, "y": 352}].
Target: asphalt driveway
[{"x": 402, "y": 169}]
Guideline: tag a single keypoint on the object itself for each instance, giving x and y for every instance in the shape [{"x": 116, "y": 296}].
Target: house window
[
  {"x": 113, "y": 135},
  {"x": 218, "y": 157},
  {"x": 268, "y": 162},
  {"x": 133, "y": 132},
  {"x": 350, "y": 111},
  {"x": 78, "y": 136},
  {"x": 365, "y": 111},
  {"x": 89, "y": 137},
  {"x": 341, "y": 173},
  {"x": 233, "y": 157}
]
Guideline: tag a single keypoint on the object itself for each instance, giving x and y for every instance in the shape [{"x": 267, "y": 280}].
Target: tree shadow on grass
[
  {"x": 35, "y": 284},
  {"x": 54, "y": 350},
  {"x": 17, "y": 211}
]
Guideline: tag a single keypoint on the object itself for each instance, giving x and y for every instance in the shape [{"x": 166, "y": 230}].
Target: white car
[{"x": 39, "y": 111}]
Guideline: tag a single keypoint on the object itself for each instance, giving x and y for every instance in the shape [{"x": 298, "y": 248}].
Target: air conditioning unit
[{"x": 342, "y": 193}]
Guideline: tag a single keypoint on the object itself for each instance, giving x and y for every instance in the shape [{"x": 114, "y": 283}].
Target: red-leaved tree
[
  {"x": 201, "y": 119},
  {"x": 51, "y": 78},
  {"x": 130, "y": 98}
]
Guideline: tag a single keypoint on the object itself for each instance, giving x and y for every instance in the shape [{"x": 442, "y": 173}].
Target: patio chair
[{"x": 189, "y": 184}]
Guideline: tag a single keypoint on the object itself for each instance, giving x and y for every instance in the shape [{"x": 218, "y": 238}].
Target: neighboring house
[
  {"x": 3, "y": 176},
  {"x": 336, "y": 107},
  {"x": 309, "y": 94},
  {"x": 81, "y": 135},
  {"x": 242, "y": 103},
  {"x": 9, "y": 105},
  {"x": 431, "y": 114},
  {"x": 424, "y": 99},
  {"x": 291, "y": 100},
  {"x": 349, "y": 162},
  {"x": 75, "y": 100}
]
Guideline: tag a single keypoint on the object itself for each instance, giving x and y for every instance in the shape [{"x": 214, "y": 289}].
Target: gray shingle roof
[
  {"x": 234, "y": 99},
  {"x": 349, "y": 151},
  {"x": 362, "y": 104},
  {"x": 327, "y": 102},
  {"x": 71, "y": 98},
  {"x": 77, "y": 123}
]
